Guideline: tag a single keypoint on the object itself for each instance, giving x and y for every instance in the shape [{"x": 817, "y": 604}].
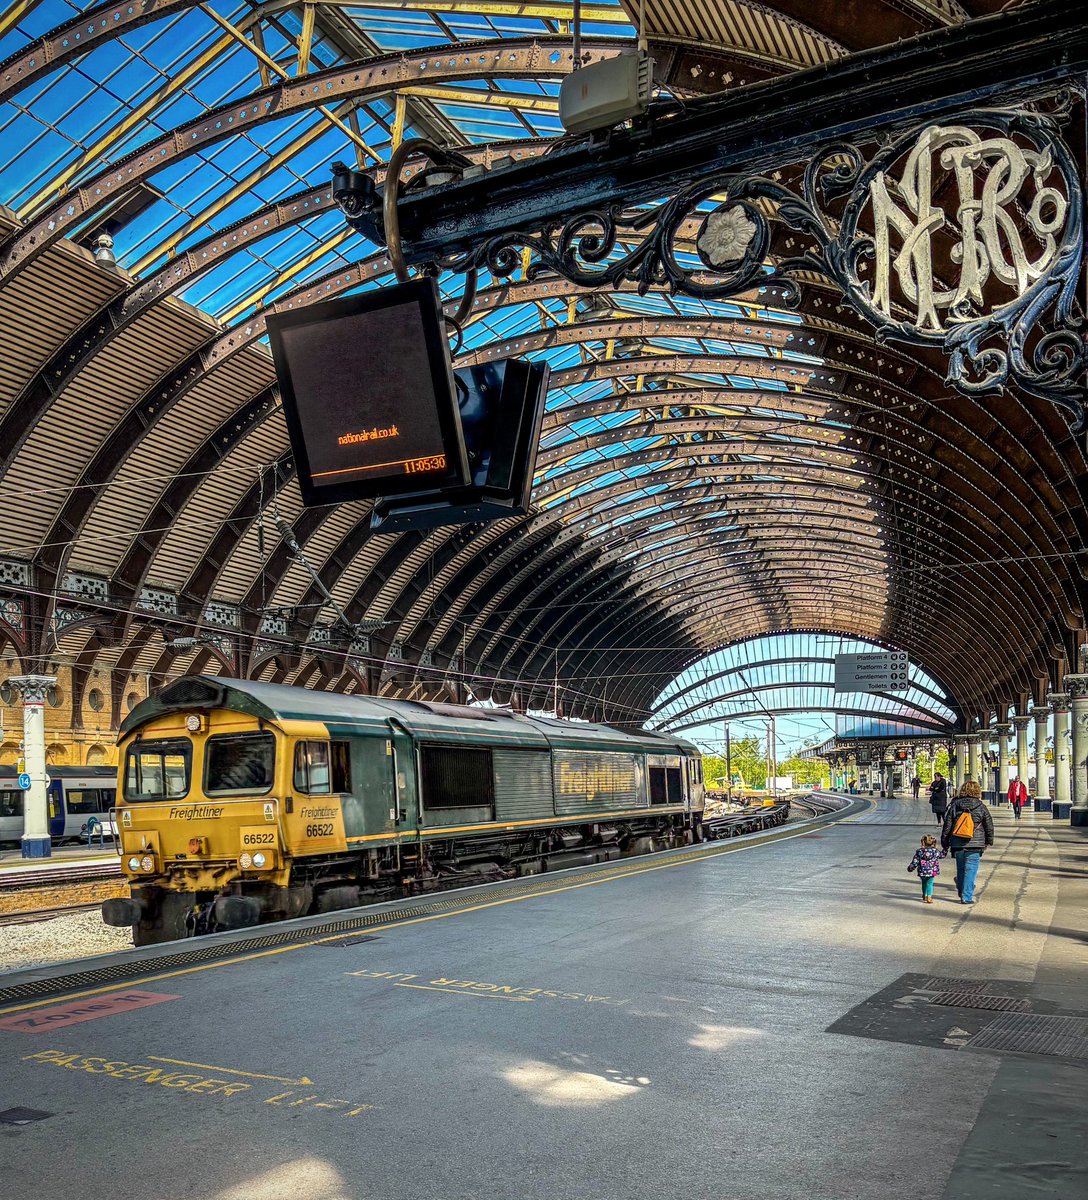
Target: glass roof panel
[{"x": 789, "y": 672}]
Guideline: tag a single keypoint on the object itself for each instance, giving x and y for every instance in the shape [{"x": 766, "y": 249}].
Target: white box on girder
[{"x": 606, "y": 93}]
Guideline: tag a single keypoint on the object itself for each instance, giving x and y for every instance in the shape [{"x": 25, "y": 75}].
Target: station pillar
[
  {"x": 33, "y": 688},
  {"x": 1020, "y": 724},
  {"x": 1042, "y": 772},
  {"x": 1078, "y": 691},
  {"x": 963, "y": 742},
  {"x": 974, "y": 756},
  {"x": 1059, "y": 705},
  {"x": 1003, "y": 732}
]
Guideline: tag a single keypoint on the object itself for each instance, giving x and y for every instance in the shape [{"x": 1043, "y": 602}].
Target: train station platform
[{"x": 778, "y": 1018}]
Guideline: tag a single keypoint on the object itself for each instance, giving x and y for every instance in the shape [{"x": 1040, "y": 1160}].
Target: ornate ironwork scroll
[{"x": 967, "y": 236}]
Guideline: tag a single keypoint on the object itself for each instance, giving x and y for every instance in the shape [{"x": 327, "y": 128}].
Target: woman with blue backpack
[{"x": 967, "y": 830}]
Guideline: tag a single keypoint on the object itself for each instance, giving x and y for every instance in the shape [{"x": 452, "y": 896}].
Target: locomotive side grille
[
  {"x": 456, "y": 777},
  {"x": 523, "y": 785}
]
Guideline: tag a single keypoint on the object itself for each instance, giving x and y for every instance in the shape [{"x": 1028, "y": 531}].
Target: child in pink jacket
[{"x": 927, "y": 862}]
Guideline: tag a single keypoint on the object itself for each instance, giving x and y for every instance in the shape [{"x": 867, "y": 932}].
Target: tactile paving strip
[
  {"x": 979, "y": 1000},
  {"x": 1063, "y": 1037},
  {"x": 132, "y": 968}
]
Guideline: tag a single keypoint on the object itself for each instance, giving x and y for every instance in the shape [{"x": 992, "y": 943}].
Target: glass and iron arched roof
[
  {"x": 792, "y": 673},
  {"x": 710, "y": 472}
]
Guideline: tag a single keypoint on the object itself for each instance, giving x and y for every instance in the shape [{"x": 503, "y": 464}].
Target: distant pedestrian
[
  {"x": 967, "y": 830},
  {"x": 916, "y": 786},
  {"x": 927, "y": 862},
  {"x": 938, "y": 797},
  {"x": 1018, "y": 796}
]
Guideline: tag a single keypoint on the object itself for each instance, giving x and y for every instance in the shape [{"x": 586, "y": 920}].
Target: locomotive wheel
[
  {"x": 168, "y": 924},
  {"x": 335, "y": 898},
  {"x": 640, "y": 845}
]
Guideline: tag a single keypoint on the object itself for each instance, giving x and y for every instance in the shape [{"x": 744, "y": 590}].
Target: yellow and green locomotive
[{"x": 244, "y": 802}]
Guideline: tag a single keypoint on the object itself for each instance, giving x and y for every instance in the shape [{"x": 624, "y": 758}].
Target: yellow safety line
[{"x": 606, "y": 877}]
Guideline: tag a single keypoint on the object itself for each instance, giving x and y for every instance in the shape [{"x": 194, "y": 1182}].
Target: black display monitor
[
  {"x": 368, "y": 395},
  {"x": 502, "y": 408}
]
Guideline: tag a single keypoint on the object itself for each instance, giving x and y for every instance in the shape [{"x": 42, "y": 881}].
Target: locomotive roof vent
[{"x": 192, "y": 693}]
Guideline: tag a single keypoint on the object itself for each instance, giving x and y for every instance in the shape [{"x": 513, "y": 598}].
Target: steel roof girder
[{"x": 369, "y": 77}]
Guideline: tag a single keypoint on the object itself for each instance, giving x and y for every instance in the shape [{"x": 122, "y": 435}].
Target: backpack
[{"x": 964, "y": 826}]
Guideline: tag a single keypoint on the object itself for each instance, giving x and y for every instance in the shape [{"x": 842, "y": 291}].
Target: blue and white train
[{"x": 75, "y": 796}]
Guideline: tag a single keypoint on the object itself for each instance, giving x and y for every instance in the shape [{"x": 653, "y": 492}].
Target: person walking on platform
[
  {"x": 927, "y": 862},
  {"x": 1018, "y": 796},
  {"x": 916, "y": 786},
  {"x": 938, "y": 797},
  {"x": 967, "y": 830}
]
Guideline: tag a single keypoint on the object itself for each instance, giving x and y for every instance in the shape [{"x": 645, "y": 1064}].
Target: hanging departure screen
[{"x": 368, "y": 394}]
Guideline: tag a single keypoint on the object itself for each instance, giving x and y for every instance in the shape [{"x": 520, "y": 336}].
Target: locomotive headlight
[
  {"x": 245, "y": 860},
  {"x": 134, "y": 864},
  {"x": 147, "y": 863},
  {"x": 259, "y": 859}
]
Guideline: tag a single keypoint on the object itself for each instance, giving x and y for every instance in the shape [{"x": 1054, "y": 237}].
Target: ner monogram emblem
[{"x": 974, "y": 194}]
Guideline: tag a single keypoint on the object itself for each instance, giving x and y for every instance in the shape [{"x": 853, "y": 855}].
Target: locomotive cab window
[
  {"x": 239, "y": 763},
  {"x": 674, "y": 785},
  {"x": 322, "y": 767},
  {"x": 158, "y": 770},
  {"x": 312, "y": 769}
]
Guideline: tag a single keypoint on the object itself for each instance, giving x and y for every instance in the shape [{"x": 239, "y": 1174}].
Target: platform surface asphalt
[{"x": 785, "y": 1021}]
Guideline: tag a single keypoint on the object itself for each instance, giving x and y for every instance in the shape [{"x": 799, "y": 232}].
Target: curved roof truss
[{"x": 710, "y": 472}]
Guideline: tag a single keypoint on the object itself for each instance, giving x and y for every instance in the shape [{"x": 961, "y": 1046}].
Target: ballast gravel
[{"x": 77, "y": 935}]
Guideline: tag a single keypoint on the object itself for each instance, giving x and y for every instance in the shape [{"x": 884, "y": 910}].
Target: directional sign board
[
  {"x": 24, "y": 781},
  {"x": 874, "y": 671}
]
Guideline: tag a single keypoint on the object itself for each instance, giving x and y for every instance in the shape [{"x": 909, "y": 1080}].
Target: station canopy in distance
[{"x": 710, "y": 471}]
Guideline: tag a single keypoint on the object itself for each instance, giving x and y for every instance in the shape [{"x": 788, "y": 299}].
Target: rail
[
  {"x": 17, "y": 880},
  {"x": 750, "y": 821}
]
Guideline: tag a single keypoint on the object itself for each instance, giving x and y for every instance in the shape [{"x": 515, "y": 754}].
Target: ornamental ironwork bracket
[
  {"x": 967, "y": 236},
  {"x": 940, "y": 198}
]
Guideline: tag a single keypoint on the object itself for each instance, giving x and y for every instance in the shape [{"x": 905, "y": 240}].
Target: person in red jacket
[{"x": 1018, "y": 796}]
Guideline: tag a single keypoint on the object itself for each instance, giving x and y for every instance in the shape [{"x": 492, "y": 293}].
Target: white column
[
  {"x": 1059, "y": 704},
  {"x": 1003, "y": 731},
  {"x": 1078, "y": 690},
  {"x": 1020, "y": 724},
  {"x": 962, "y": 741},
  {"x": 974, "y": 756},
  {"x": 1042, "y": 771},
  {"x": 36, "y": 843}
]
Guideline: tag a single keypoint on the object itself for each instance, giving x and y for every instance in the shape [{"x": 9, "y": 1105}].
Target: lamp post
[
  {"x": 774, "y": 761},
  {"x": 34, "y": 688}
]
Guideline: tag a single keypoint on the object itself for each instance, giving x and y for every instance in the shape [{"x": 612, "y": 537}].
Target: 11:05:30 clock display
[{"x": 416, "y": 466}]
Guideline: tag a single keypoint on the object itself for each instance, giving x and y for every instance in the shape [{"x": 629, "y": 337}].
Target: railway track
[
  {"x": 20, "y": 880},
  {"x": 35, "y": 915},
  {"x": 29, "y": 896}
]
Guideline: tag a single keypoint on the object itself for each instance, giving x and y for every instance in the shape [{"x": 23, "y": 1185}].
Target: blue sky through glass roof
[{"x": 790, "y": 672}]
